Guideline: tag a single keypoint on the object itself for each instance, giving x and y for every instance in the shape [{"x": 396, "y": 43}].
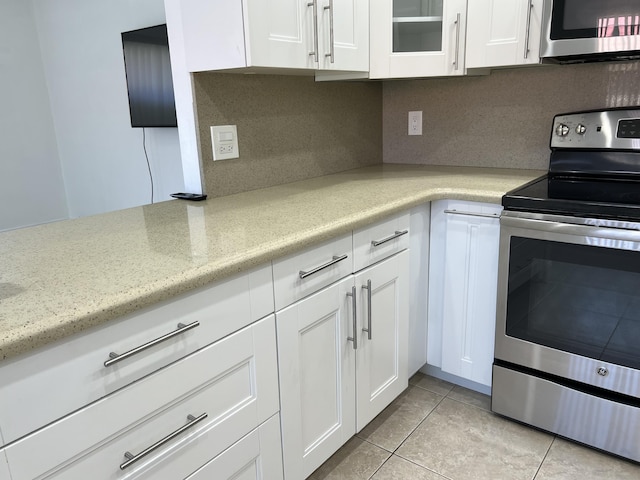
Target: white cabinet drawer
[
  {"x": 304, "y": 273},
  {"x": 380, "y": 240},
  {"x": 233, "y": 381},
  {"x": 258, "y": 456},
  {"x": 71, "y": 374}
]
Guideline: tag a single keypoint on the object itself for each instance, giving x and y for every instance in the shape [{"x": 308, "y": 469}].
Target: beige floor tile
[
  {"x": 570, "y": 461},
  {"x": 463, "y": 442},
  {"x": 391, "y": 427},
  {"x": 470, "y": 397},
  {"x": 356, "y": 460},
  {"x": 397, "y": 468},
  {"x": 432, "y": 384}
]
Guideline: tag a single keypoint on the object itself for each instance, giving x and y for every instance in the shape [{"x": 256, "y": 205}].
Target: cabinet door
[
  {"x": 343, "y": 35},
  {"x": 417, "y": 38},
  {"x": 280, "y": 33},
  {"x": 258, "y": 456},
  {"x": 317, "y": 377},
  {"x": 503, "y": 32},
  {"x": 383, "y": 319},
  {"x": 470, "y": 287}
]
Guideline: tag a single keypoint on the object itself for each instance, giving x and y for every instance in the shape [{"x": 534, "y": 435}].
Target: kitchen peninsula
[
  {"x": 61, "y": 278},
  {"x": 262, "y": 287}
]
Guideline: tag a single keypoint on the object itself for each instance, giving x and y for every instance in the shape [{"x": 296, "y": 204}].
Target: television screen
[{"x": 148, "y": 72}]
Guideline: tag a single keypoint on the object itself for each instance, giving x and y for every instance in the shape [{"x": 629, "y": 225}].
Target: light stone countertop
[{"x": 61, "y": 278}]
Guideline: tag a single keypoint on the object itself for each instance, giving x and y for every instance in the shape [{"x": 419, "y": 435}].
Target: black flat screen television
[{"x": 148, "y": 73}]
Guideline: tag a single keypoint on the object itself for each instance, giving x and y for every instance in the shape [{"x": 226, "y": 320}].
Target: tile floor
[{"x": 438, "y": 431}]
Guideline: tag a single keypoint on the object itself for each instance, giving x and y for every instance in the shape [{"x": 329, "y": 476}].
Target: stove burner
[{"x": 593, "y": 171}]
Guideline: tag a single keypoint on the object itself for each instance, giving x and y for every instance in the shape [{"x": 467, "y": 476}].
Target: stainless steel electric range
[{"x": 567, "y": 351}]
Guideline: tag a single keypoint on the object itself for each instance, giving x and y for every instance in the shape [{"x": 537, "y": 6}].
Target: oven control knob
[
  {"x": 581, "y": 129},
  {"x": 562, "y": 130}
]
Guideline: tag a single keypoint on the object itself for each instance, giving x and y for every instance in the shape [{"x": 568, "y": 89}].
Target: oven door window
[
  {"x": 573, "y": 19},
  {"x": 575, "y": 298}
]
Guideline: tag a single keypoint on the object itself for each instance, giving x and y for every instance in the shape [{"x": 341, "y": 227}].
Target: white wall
[
  {"x": 66, "y": 145},
  {"x": 102, "y": 157},
  {"x": 31, "y": 186}
]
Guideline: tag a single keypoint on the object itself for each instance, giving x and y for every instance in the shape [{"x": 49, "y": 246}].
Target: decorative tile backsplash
[{"x": 500, "y": 120}]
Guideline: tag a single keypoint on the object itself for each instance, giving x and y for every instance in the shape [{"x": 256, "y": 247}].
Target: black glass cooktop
[{"x": 578, "y": 196}]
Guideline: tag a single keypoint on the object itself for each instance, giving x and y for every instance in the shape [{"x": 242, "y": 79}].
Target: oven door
[
  {"x": 569, "y": 299},
  {"x": 585, "y": 27}
]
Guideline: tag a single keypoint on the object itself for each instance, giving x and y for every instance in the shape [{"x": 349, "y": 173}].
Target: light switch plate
[{"x": 224, "y": 140}]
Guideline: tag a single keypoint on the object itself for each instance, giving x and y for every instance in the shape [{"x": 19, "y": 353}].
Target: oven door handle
[
  {"x": 614, "y": 230},
  {"x": 473, "y": 214}
]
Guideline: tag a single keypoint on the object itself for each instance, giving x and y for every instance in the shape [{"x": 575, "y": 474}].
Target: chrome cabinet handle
[
  {"x": 397, "y": 234},
  {"x": 118, "y": 357},
  {"x": 526, "y": 37},
  {"x": 367, "y": 287},
  {"x": 314, "y": 54},
  {"x": 333, "y": 261},
  {"x": 354, "y": 339},
  {"x": 331, "y": 36},
  {"x": 131, "y": 459},
  {"x": 457, "y": 24},
  {"x": 473, "y": 214}
]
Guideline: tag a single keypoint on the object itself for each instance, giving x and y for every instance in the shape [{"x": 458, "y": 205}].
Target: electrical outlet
[
  {"x": 415, "y": 123},
  {"x": 224, "y": 141}
]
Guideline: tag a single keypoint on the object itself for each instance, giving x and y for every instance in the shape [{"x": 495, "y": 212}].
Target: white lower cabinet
[
  {"x": 463, "y": 276},
  {"x": 333, "y": 378},
  {"x": 258, "y": 456},
  {"x": 317, "y": 378},
  {"x": 381, "y": 357},
  {"x": 165, "y": 425},
  {"x": 82, "y": 369}
]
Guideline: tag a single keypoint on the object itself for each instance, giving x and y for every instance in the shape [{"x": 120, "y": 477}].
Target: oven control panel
[{"x": 617, "y": 129}]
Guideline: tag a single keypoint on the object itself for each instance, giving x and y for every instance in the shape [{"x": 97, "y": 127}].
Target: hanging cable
[{"x": 144, "y": 146}]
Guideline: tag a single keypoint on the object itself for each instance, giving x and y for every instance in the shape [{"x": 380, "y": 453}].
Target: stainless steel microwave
[{"x": 590, "y": 30}]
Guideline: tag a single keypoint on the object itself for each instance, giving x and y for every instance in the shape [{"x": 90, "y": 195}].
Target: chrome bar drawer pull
[
  {"x": 528, "y": 34},
  {"x": 118, "y": 357},
  {"x": 397, "y": 234},
  {"x": 314, "y": 54},
  {"x": 456, "y": 62},
  {"x": 333, "y": 261},
  {"x": 473, "y": 214},
  {"x": 367, "y": 287},
  {"x": 332, "y": 42},
  {"x": 131, "y": 459},
  {"x": 354, "y": 339}
]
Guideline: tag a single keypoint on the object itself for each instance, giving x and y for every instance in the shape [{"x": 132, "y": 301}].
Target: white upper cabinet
[
  {"x": 503, "y": 33},
  {"x": 343, "y": 35},
  {"x": 417, "y": 38},
  {"x": 276, "y": 34}
]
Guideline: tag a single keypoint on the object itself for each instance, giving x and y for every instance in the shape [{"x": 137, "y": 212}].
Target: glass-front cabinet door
[
  {"x": 417, "y": 38},
  {"x": 417, "y": 26}
]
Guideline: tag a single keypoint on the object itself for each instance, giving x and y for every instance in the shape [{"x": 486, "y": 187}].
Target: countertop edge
[{"x": 34, "y": 335}]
